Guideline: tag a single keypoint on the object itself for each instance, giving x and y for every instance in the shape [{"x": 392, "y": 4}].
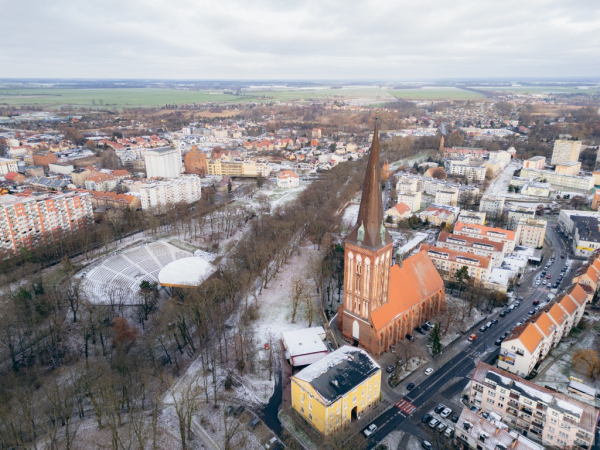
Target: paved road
[{"x": 464, "y": 362}]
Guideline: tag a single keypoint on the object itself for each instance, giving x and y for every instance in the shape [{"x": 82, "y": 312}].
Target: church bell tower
[{"x": 368, "y": 255}]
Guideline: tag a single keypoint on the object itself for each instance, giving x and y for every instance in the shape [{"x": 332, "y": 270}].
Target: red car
[
  {"x": 548, "y": 277},
  {"x": 536, "y": 302}
]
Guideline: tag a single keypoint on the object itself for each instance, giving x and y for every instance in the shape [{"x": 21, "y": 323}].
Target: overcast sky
[{"x": 299, "y": 39}]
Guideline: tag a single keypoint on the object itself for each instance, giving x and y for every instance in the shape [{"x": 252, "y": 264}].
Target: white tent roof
[{"x": 185, "y": 272}]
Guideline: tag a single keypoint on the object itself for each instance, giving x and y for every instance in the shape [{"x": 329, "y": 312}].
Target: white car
[
  {"x": 428, "y": 371},
  {"x": 369, "y": 431},
  {"x": 446, "y": 412}
]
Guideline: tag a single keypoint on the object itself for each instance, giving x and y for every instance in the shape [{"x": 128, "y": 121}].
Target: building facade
[
  {"x": 446, "y": 197},
  {"x": 195, "y": 162},
  {"x": 492, "y": 205},
  {"x": 288, "y": 179},
  {"x": 537, "y": 162},
  {"x": 448, "y": 262},
  {"x": 163, "y": 162},
  {"x": 165, "y": 194},
  {"x": 410, "y": 199},
  {"x": 531, "y": 232},
  {"x": 41, "y": 219},
  {"x": 565, "y": 151},
  {"x": 477, "y": 246},
  {"x": 493, "y": 234},
  {"x": 8, "y": 165},
  {"x": 560, "y": 180},
  {"x": 515, "y": 213},
  {"x": 549, "y": 417},
  {"x": 335, "y": 391},
  {"x": 474, "y": 217},
  {"x": 568, "y": 168}
]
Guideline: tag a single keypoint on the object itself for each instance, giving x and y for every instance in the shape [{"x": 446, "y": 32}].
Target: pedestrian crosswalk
[{"x": 406, "y": 406}]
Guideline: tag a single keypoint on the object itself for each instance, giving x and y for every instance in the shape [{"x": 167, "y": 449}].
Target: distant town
[{"x": 303, "y": 265}]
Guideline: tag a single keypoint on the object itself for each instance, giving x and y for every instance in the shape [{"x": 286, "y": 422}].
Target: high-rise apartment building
[
  {"x": 41, "y": 218},
  {"x": 565, "y": 151},
  {"x": 167, "y": 193},
  {"x": 163, "y": 162}
]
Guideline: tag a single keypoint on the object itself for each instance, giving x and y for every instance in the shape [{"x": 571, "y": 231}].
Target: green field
[
  {"x": 540, "y": 89},
  {"x": 435, "y": 93},
  {"x": 147, "y": 97}
]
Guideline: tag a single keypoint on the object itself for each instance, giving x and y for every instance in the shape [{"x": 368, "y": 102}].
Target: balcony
[
  {"x": 513, "y": 404},
  {"x": 538, "y": 424},
  {"x": 478, "y": 388},
  {"x": 526, "y": 410},
  {"x": 512, "y": 411},
  {"x": 525, "y": 418},
  {"x": 541, "y": 407},
  {"x": 584, "y": 437},
  {"x": 515, "y": 396}
]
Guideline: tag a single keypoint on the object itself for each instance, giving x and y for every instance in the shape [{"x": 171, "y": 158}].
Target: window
[
  {"x": 310, "y": 406},
  {"x": 489, "y": 400},
  {"x": 501, "y": 398},
  {"x": 363, "y": 392},
  {"x": 354, "y": 399},
  {"x": 302, "y": 409},
  {"x": 310, "y": 417},
  {"x": 302, "y": 398},
  {"x": 553, "y": 421},
  {"x": 561, "y": 434},
  {"x": 551, "y": 429}
]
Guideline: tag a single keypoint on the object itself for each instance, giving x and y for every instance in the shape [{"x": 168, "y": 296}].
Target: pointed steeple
[{"x": 370, "y": 214}]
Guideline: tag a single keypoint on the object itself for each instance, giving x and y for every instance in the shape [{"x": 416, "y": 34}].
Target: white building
[
  {"x": 288, "y": 179},
  {"x": 478, "y": 246},
  {"x": 565, "y": 151},
  {"x": 64, "y": 169},
  {"x": 447, "y": 197},
  {"x": 465, "y": 167},
  {"x": 536, "y": 162},
  {"x": 531, "y": 232},
  {"x": 518, "y": 212},
  {"x": 410, "y": 199},
  {"x": 8, "y": 165},
  {"x": 562, "y": 180},
  {"x": 163, "y": 162},
  {"x": 492, "y": 205},
  {"x": 167, "y": 193},
  {"x": 493, "y": 234},
  {"x": 477, "y": 218},
  {"x": 554, "y": 419}
]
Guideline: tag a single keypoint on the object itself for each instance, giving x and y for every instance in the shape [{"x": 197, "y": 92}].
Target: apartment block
[
  {"x": 8, "y": 165},
  {"x": 408, "y": 183},
  {"x": 474, "y": 217},
  {"x": 529, "y": 344},
  {"x": 248, "y": 168},
  {"x": 565, "y": 151},
  {"x": 163, "y": 162},
  {"x": 476, "y": 432},
  {"x": 410, "y": 199},
  {"x": 531, "y": 232},
  {"x": 589, "y": 273},
  {"x": 568, "y": 168},
  {"x": 447, "y": 197},
  {"x": 470, "y": 169},
  {"x": 564, "y": 181},
  {"x": 27, "y": 221},
  {"x": 477, "y": 246},
  {"x": 537, "y": 162},
  {"x": 548, "y": 417},
  {"x": 448, "y": 262},
  {"x": 492, "y": 205},
  {"x": 493, "y": 234},
  {"x": 516, "y": 213},
  {"x": 195, "y": 162},
  {"x": 100, "y": 181},
  {"x": 166, "y": 193}
]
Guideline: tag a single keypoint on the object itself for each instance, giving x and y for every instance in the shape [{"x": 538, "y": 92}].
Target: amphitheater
[{"x": 123, "y": 272}]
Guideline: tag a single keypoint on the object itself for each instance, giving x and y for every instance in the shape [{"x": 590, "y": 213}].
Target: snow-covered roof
[
  {"x": 577, "y": 386},
  {"x": 501, "y": 276},
  {"x": 304, "y": 341},
  {"x": 185, "y": 272}
]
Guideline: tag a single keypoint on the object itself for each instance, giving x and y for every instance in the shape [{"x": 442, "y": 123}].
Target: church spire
[{"x": 370, "y": 214}]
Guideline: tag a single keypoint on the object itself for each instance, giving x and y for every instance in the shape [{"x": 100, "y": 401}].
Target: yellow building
[{"x": 332, "y": 392}]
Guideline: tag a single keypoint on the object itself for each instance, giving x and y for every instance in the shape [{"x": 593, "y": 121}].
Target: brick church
[{"x": 383, "y": 303}]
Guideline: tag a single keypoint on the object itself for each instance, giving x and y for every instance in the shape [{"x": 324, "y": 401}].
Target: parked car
[
  {"x": 489, "y": 325},
  {"x": 433, "y": 423},
  {"x": 425, "y": 326},
  {"x": 441, "y": 427},
  {"x": 426, "y": 418},
  {"x": 410, "y": 386},
  {"x": 427, "y": 445},
  {"x": 503, "y": 313},
  {"x": 370, "y": 430},
  {"x": 474, "y": 409},
  {"x": 439, "y": 408},
  {"x": 472, "y": 338},
  {"x": 454, "y": 418},
  {"x": 536, "y": 302},
  {"x": 229, "y": 410},
  {"x": 483, "y": 328},
  {"x": 410, "y": 337},
  {"x": 420, "y": 330},
  {"x": 389, "y": 369},
  {"x": 254, "y": 423},
  {"x": 238, "y": 412},
  {"x": 272, "y": 443},
  {"x": 494, "y": 321},
  {"x": 428, "y": 371},
  {"x": 498, "y": 341},
  {"x": 518, "y": 303},
  {"x": 429, "y": 324},
  {"x": 449, "y": 432},
  {"x": 446, "y": 412}
]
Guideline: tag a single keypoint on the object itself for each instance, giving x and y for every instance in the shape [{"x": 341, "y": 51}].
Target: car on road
[
  {"x": 498, "y": 341},
  {"x": 389, "y": 369},
  {"x": 439, "y": 408},
  {"x": 505, "y": 335},
  {"x": 446, "y": 412},
  {"x": 483, "y": 328},
  {"x": 474, "y": 409},
  {"x": 472, "y": 338},
  {"x": 518, "y": 303},
  {"x": 531, "y": 313},
  {"x": 428, "y": 371},
  {"x": 433, "y": 423},
  {"x": 494, "y": 321},
  {"x": 536, "y": 302},
  {"x": 489, "y": 325},
  {"x": 454, "y": 418},
  {"x": 426, "y": 418},
  {"x": 441, "y": 427},
  {"x": 548, "y": 276},
  {"x": 410, "y": 386},
  {"x": 429, "y": 324},
  {"x": 370, "y": 430},
  {"x": 504, "y": 313},
  {"x": 425, "y": 326},
  {"x": 562, "y": 256},
  {"x": 410, "y": 337},
  {"x": 427, "y": 445}
]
